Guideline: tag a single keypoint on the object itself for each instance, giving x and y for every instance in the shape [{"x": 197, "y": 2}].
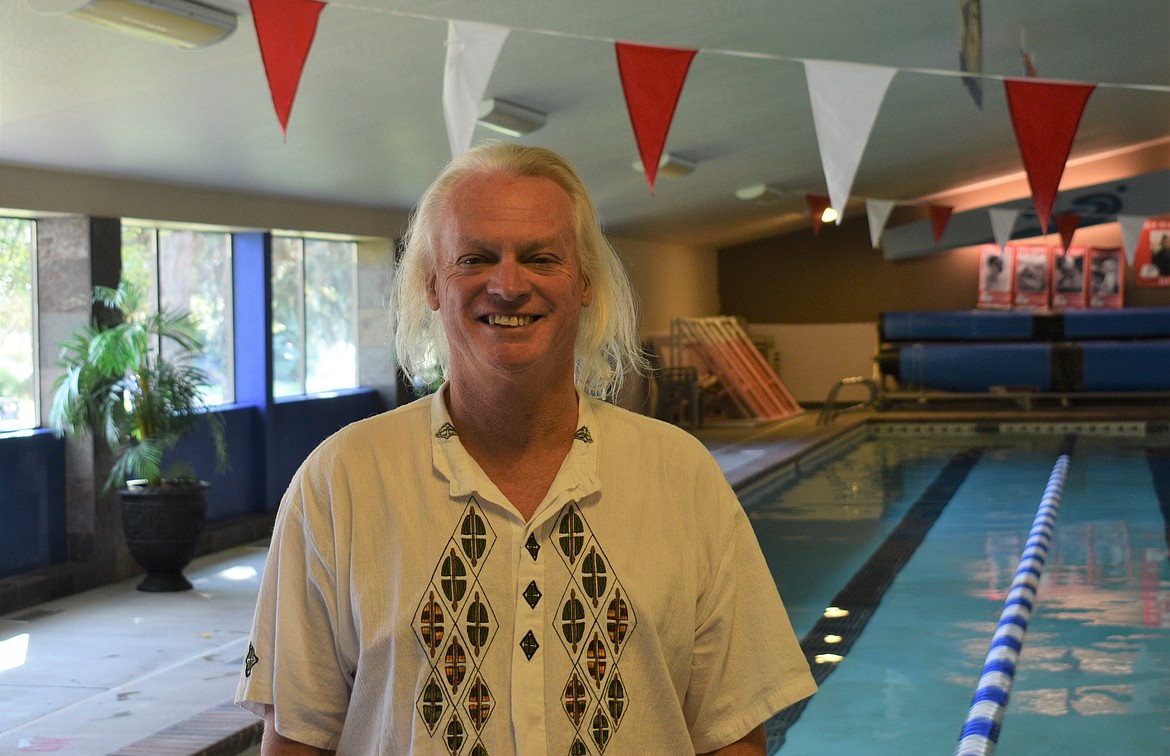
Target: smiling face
[{"x": 508, "y": 283}]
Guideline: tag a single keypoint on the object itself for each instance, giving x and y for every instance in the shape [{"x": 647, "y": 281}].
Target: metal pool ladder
[{"x": 829, "y": 410}]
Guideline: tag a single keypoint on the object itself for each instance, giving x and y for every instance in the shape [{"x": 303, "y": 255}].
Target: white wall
[
  {"x": 813, "y": 357},
  {"x": 674, "y": 281},
  {"x": 670, "y": 281}
]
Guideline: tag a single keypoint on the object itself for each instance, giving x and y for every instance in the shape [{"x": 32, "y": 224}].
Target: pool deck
[{"x": 117, "y": 671}]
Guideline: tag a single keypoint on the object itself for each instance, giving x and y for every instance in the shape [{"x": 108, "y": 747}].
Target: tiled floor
[
  {"x": 115, "y": 670},
  {"x": 95, "y": 672}
]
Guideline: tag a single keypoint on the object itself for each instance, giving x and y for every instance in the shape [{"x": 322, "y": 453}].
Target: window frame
[{"x": 157, "y": 296}]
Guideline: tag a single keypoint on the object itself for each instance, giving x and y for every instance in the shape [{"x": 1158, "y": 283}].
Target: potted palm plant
[{"x": 131, "y": 383}]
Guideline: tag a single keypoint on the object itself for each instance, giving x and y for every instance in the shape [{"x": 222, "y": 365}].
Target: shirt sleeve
[
  {"x": 747, "y": 662},
  {"x": 292, "y": 663}
]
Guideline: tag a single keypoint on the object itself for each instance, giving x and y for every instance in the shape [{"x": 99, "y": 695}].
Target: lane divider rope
[{"x": 989, "y": 704}]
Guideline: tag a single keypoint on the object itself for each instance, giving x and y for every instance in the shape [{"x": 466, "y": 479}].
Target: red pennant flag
[
  {"x": 939, "y": 217},
  {"x": 816, "y": 208},
  {"x": 285, "y": 29},
  {"x": 652, "y": 80},
  {"x": 1045, "y": 116},
  {"x": 1068, "y": 224}
]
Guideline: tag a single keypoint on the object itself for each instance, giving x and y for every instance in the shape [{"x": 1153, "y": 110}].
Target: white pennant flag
[
  {"x": 1131, "y": 233},
  {"x": 1002, "y": 221},
  {"x": 472, "y": 50},
  {"x": 879, "y": 213},
  {"x": 845, "y": 101}
]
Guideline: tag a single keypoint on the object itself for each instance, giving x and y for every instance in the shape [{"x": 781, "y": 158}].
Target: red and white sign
[{"x": 1151, "y": 258}]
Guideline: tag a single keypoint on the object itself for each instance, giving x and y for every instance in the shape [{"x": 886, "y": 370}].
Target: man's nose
[{"x": 508, "y": 279}]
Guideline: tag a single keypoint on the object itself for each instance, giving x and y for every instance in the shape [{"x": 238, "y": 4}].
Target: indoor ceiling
[{"x": 367, "y": 127}]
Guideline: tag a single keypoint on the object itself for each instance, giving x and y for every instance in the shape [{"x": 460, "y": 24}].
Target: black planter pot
[{"x": 162, "y": 527}]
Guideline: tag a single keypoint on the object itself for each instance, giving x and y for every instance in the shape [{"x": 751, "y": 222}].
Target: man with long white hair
[{"x": 513, "y": 565}]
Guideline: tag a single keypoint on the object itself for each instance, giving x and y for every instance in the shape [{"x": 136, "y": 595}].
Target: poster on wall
[
  {"x": 1031, "y": 275},
  {"x": 1106, "y": 277},
  {"x": 995, "y": 277},
  {"x": 1069, "y": 282},
  {"x": 1151, "y": 257}
]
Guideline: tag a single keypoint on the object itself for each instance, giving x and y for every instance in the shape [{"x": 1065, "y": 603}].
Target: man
[{"x": 513, "y": 566}]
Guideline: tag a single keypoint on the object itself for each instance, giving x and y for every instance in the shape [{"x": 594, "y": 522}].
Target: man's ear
[{"x": 432, "y": 292}]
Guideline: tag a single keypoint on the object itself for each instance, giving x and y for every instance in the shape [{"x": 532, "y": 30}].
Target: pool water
[{"x": 1094, "y": 673}]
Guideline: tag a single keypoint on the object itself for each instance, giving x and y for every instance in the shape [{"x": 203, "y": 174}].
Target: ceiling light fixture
[
  {"x": 179, "y": 23},
  {"x": 508, "y": 117},
  {"x": 760, "y": 194},
  {"x": 670, "y": 165},
  {"x": 828, "y": 215}
]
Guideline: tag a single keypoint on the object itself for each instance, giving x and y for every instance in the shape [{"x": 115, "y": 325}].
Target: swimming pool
[{"x": 917, "y": 531}]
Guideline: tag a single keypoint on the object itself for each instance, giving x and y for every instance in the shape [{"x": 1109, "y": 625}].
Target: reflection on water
[
  {"x": 856, "y": 484},
  {"x": 1094, "y": 672}
]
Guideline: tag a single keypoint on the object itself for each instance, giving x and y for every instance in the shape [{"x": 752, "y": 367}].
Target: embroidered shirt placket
[{"x": 529, "y": 707}]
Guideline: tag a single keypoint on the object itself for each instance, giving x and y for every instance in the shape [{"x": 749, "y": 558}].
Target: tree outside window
[
  {"x": 188, "y": 269},
  {"x": 18, "y": 357},
  {"x": 314, "y": 315}
]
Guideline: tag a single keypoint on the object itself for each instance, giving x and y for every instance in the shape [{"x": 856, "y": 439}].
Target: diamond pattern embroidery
[
  {"x": 455, "y": 625},
  {"x": 594, "y": 622}
]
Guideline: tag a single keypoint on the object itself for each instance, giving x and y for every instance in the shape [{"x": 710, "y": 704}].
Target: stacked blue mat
[{"x": 1070, "y": 351}]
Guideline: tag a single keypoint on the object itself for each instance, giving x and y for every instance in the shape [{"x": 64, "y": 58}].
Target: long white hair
[{"x": 607, "y": 343}]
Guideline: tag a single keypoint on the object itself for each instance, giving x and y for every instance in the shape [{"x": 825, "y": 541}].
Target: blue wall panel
[
  {"x": 32, "y": 502},
  {"x": 296, "y": 426},
  {"x": 1127, "y": 366},
  {"x": 956, "y": 326}
]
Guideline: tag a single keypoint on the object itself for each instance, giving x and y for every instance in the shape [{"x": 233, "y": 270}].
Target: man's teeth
[{"x": 510, "y": 320}]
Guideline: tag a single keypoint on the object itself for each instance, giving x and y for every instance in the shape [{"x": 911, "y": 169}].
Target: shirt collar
[{"x": 576, "y": 479}]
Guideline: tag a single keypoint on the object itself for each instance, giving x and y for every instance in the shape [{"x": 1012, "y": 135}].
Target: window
[
  {"x": 186, "y": 269},
  {"x": 314, "y": 315},
  {"x": 18, "y": 357}
]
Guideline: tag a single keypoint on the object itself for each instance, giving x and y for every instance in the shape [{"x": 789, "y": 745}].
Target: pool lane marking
[
  {"x": 1158, "y": 459},
  {"x": 864, "y": 591}
]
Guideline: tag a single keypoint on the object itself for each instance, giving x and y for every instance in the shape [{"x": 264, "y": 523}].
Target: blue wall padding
[
  {"x": 991, "y": 325},
  {"x": 956, "y": 326},
  {"x": 976, "y": 367},
  {"x": 238, "y": 490},
  {"x": 1127, "y": 366},
  {"x": 32, "y": 499},
  {"x": 1136, "y": 322}
]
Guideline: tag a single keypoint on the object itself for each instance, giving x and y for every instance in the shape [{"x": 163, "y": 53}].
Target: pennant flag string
[
  {"x": 845, "y": 97},
  {"x": 341, "y": 4}
]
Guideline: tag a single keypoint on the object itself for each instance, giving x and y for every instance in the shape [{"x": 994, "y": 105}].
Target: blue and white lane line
[{"x": 981, "y": 731}]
